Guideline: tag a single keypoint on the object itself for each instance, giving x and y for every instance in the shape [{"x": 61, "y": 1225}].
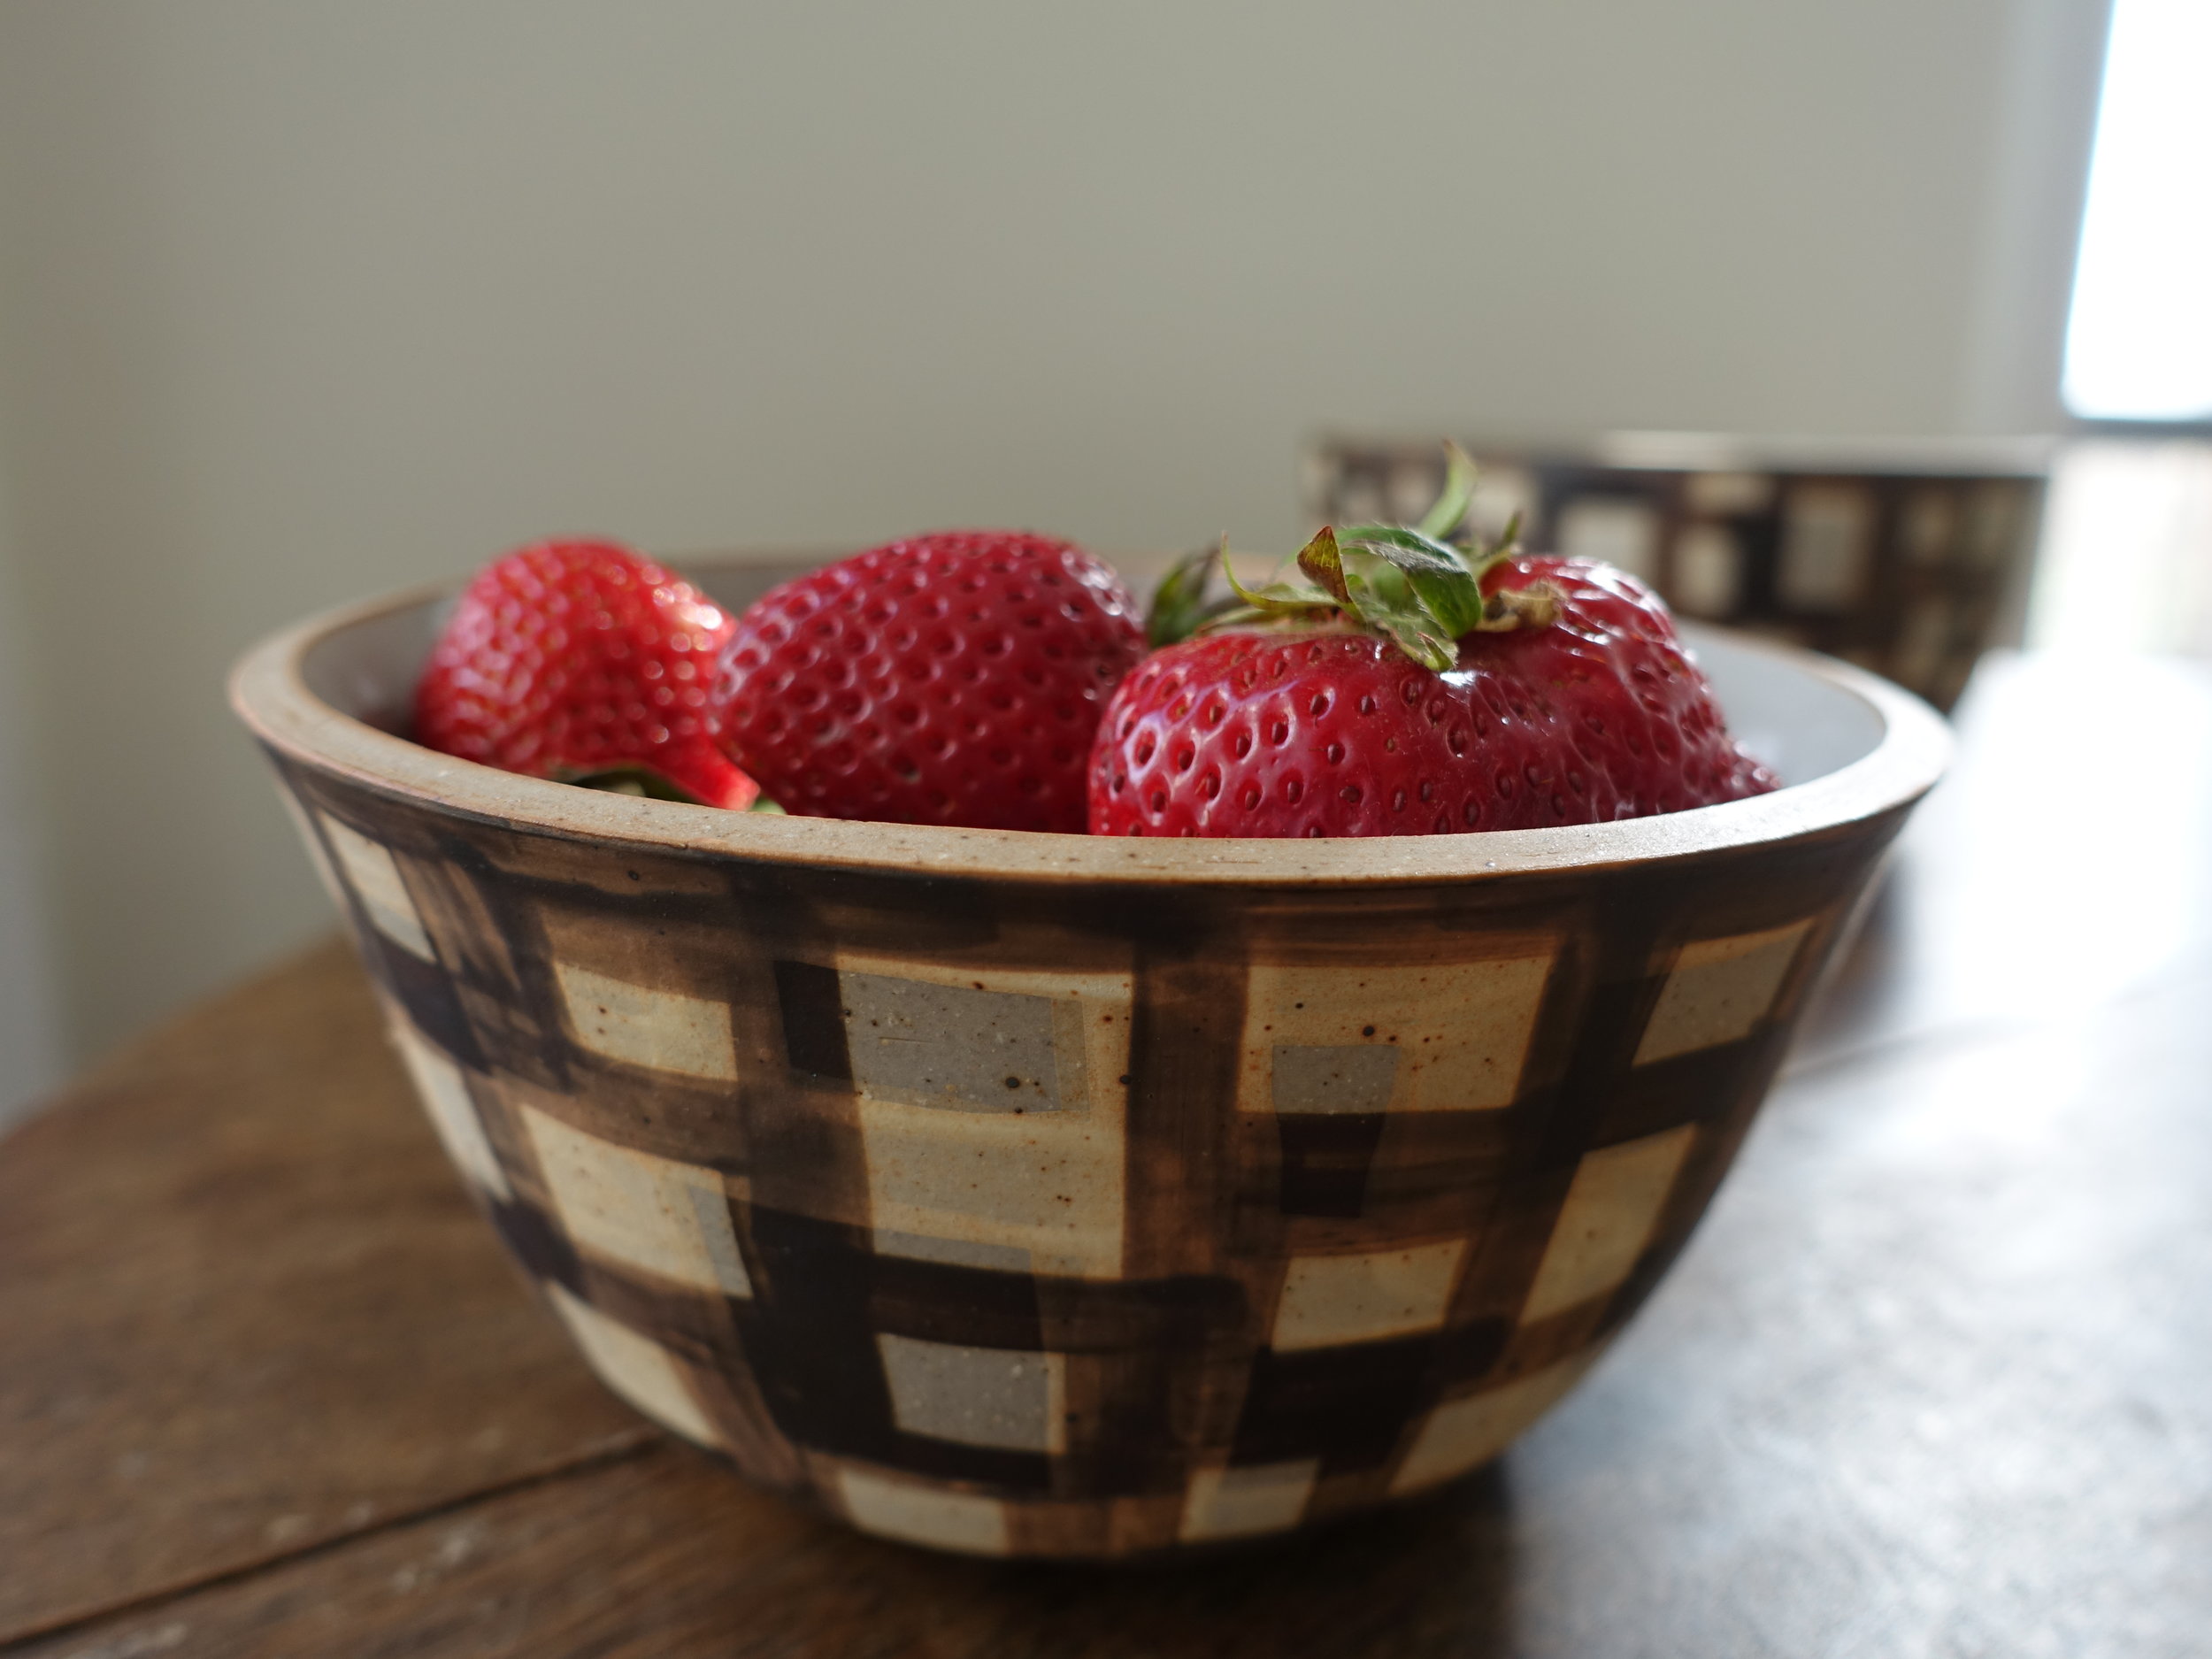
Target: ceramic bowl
[{"x": 1051, "y": 1197}]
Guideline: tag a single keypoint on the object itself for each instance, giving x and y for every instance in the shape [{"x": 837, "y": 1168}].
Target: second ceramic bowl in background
[{"x": 1908, "y": 557}]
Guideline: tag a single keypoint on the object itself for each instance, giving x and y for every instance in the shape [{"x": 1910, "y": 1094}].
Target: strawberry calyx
[
  {"x": 1180, "y": 604},
  {"x": 1418, "y": 586}
]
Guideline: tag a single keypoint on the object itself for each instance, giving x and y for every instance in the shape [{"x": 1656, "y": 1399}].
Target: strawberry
[
  {"x": 956, "y": 677},
  {"x": 583, "y": 662},
  {"x": 1413, "y": 688}
]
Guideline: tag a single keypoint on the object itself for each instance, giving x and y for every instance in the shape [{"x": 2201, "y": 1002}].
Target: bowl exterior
[{"x": 1079, "y": 1219}]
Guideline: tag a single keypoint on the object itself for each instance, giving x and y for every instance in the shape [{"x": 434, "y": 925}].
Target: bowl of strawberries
[{"x": 1037, "y": 1076}]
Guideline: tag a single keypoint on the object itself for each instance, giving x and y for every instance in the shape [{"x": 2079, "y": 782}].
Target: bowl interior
[
  {"x": 1803, "y": 725},
  {"x": 1800, "y": 724}
]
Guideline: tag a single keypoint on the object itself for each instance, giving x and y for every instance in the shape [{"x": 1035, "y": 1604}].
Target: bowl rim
[{"x": 269, "y": 693}]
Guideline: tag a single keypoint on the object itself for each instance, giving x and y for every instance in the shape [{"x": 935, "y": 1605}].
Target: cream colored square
[
  {"x": 1460, "y": 1030},
  {"x": 635, "y": 1367},
  {"x": 1248, "y": 1501},
  {"x": 1012, "y": 1398},
  {"x": 639, "y": 1025},
  {"x": 1930, "y": 524},
  {"x": 988, "y": 1187},
  {"x": 1331, "y": 1300},
  {"x": 1717, "y": 990},
  {"x": 445, "y": 1098},
  {"x": 920, "y": 1514},
  {"x": 1613, "y": 530},
  {"x": 1993, "y": 515},
  {"x": 669, "y": 1218},
  {"x": 376, "y": 882},
  {"x": 1726, "y": 494},
  {"x": 1462, "y": 1435},
  {"x": 1923, "y": 641},
  {"x": 1048, "y": 1184},
  {"x": 1827, "y": 542},
  {"x": 1611, "y": 1206},
  {"x": 313, "y": 843},
  {"x": 1708, "y": 570}
]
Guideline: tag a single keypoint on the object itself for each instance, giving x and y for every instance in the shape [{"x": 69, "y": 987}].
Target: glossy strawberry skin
[
  {"x": 956, "y": 677},
  {"x": 569, "y": 658},
  {"x": 1307, "y": 732}
]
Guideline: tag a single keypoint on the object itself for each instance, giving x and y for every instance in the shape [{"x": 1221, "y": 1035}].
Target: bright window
[{"x": 2139, "y": 345}]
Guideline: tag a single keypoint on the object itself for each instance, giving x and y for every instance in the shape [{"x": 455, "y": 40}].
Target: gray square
[
  {"x": 950, "y": 1046},
  {"x": 979, "y": 1396},
  {"x": 1355, "y": 1077},
  {"x": 711, "y": 1208}
]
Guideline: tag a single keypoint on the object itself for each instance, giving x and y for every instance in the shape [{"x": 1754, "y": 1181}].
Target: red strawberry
[
  {"x": 578, "y": 660},
  {"x": 1415, "y": 691},
  {"x": 951, "y": 678}
]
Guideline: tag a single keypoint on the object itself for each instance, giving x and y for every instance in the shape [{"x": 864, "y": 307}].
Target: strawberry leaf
[
  {"x": 1450, "y": 511},
  {"x": 1374, "y": 583},
  {"x": 1417, "y": 634},
  {"x": 1320, "y": 559},
  {"x": 1277, "y": 599},
  {"x": 1179, "y": 604},
  {"x": 1407, "y": 550},
  {"x": 1454, "y": 600},
  {"x": 1439, "y": 577}
]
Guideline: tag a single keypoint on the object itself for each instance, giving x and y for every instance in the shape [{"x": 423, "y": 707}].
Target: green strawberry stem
[
  {"x": 1180, "y": 605},
  {"x": 1411, "y": 584}
]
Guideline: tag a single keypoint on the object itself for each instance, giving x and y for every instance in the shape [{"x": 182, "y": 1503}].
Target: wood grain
[
  {"x": 1928, "y": 1379},
  {"x": 247, "y": 1308},
  {"x": 667, "y": 1555},
  {"x": 1960, "y": 1412}
]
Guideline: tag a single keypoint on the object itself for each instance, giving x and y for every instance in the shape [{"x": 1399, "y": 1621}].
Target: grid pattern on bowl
[{"x": 1060, "y": 1221}]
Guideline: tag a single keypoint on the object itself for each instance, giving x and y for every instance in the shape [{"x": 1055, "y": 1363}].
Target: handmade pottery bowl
[{"x": 1045, "y": 1196}]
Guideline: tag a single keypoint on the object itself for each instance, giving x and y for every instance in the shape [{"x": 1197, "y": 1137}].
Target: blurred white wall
[
  {"x": 31, "y": 1056},
  {"x": 301, "y": 300}
]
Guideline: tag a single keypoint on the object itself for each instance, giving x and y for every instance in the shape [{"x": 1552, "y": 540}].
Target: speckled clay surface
[{"x": 1036, "y": 1195}]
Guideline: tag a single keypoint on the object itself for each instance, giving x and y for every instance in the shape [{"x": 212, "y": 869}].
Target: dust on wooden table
[{"x": 248, "y": 1309}]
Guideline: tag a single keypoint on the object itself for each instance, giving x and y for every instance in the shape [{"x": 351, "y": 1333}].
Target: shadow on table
[
  {"x": 1863, "y": 985},
  {"x": 1430, "y": 1577}
]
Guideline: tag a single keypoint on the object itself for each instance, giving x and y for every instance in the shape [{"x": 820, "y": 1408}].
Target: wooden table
[{"x": 1935, "y": 1377}]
